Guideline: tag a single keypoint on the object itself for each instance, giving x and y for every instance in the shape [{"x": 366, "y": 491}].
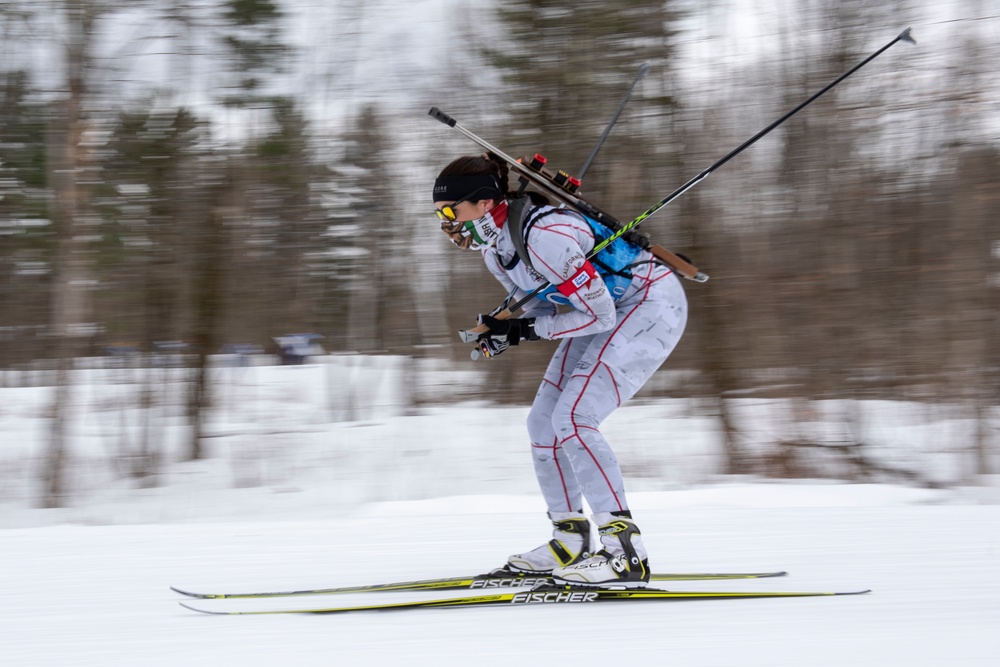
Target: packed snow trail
[{"x": 98, "y": 595}]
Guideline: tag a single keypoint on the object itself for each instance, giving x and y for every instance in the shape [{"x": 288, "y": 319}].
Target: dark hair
[{"x": 488, "y": 164}]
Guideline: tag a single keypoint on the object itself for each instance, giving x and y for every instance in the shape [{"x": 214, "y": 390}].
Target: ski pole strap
[{"x": 473, "y": 334}]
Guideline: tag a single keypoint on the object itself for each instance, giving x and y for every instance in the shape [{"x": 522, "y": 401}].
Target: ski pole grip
[
  {"x": 437, "y": 114},
  {"x": 473, "y": 334}
]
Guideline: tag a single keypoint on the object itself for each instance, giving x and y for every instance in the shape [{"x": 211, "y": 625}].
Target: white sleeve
[
  {"x": 558, "y": 246},
  {"x": 535, "y": 307}
]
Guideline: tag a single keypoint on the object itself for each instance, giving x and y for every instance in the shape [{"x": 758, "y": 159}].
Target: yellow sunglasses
[{"x": 447, "y": 213}]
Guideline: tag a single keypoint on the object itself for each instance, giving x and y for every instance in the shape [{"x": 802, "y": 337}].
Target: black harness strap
[
  {"x": 515, "y": 221},
  {"x": 519, "y": 230}
]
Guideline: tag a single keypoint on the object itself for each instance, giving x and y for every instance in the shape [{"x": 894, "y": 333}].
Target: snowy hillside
[{"x": 347, "y": 431}]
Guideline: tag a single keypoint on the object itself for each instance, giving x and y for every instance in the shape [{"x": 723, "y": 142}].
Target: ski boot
[
  {"x": 622, "y": 563},
  {"x": 570, "y": 544}
]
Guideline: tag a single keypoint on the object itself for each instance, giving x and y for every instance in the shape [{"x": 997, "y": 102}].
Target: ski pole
[
  {"x": 614, "y": 119},
  {"x": 903, "y": 36},
  {"x": 472, "y": 334}
]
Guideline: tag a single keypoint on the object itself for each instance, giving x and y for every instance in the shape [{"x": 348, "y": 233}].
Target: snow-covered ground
[
  {"x": 97, "y": 595},
  {"x": 295, "y": 497}
]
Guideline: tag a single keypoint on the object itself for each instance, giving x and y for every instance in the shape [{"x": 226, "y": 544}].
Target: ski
[
  {"x": 499, "y": 578},
  {"x": 551, "y": 595}
]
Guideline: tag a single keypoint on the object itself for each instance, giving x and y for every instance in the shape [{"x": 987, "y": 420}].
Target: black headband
[{"x": 453, "y": 188}]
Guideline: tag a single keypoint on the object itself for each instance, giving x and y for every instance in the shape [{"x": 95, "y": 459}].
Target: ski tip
[
  {"x": 183, "y": 592},
  {"x": 867, "y": 590},
  {"x": 201, "y": 611},
  {"x": 199, "y": 596}
]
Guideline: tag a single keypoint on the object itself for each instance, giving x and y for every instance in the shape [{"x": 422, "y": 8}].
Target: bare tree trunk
[
  {"x": 70, "y": 298},
  {"x": 210, "y": 266},
  {"x": 54, "y": 466}
]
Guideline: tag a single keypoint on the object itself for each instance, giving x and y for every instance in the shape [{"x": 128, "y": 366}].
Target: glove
[
  {"x": 504, "y": 333},
  {"x": 513, "y": 330},
  {"x": 489, "y": 347}
]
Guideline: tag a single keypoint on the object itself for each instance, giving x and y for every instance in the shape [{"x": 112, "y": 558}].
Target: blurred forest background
[{"x": 203, "y": 176}]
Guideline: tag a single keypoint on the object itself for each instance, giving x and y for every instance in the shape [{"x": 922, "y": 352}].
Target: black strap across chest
[{"x": 520, "y": 226}]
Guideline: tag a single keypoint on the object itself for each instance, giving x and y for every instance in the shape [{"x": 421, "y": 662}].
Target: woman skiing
[{"x": 625, "y": 315}]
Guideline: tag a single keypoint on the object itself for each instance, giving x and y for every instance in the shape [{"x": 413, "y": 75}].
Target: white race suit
[{"x": 610, "y": 347}]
